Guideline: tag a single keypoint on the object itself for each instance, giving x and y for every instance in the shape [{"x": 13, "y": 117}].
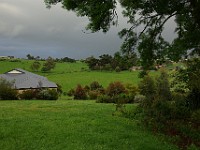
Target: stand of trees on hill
[{"x": 107, "y": 62}]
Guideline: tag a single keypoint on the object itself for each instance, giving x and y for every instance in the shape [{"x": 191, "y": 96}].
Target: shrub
[
  {"x": 79, "y": 93},
  {"x": 115, "y": 88},
  {"x": 147, "y": 87},
  {"x": 93, "y": 94},
  {"x": 179, "y": 106},
  {"x": 117, "y": 69},
  {"x": 142, "y": 74},
  {"x": 59, "y": 89},
  {"x": 194, "y": 99},
  {"x": 28, "y": 94},
  {"x": 87, "y": 88},
  {"x": 104, "y": 99},
  {"x": 6, "y": 90},
  {"x": 195, "y": 117},
  {"x": 95, "y": 85},
  {"x": 163, "y": 87},
  {"x": 139, "y": 98},
  {"x": 48, "y": 94},
  {"x": 132, "y": 89},
  {"x": 71, "y": 92}
]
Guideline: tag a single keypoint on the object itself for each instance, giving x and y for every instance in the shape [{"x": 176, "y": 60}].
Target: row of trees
[
  {"x": 117, "y": 62},
  {"x": 65, "y": 59}
]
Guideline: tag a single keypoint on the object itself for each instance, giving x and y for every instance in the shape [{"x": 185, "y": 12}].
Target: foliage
[
  {"x": 163, "y": 86},
  {"x": 139, "y": 98},
  {"x": 188, "y": 81},
  {"x": 142, "y": 74},
  {"x": 92, "y": 62},
  {"x": 35, "y": 66},
  {"x": 115, "y": 88},
  {"x": 30, "y": 57},
  {"x": 152, "y": 16},
  {"x": 49, "y": 64},
  {"x": 177, "y": 85},
  {"x": 95, "y": 85},
  {"x": 71, "y": 92},
  {"x": 29, "y": 94},
  {"x": 167, "y": 112},
  {"x": 66, "y": 59},
  {"x": 93, "y": 94},
  {"x": 59, "y": 89},
  {"x": 79, "y": 93},
  {"x": 118, "y": 62},
  {"x": 41, "y": 94},
  {"x": 6, "y": 90},
  {"x": 48, "y": 94},
  {"x": 117, "y": 69}
]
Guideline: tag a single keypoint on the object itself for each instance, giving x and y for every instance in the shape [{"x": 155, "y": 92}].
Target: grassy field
[
  {"x": 71, "y": 125},
  {"x": 68, "y": 75}
]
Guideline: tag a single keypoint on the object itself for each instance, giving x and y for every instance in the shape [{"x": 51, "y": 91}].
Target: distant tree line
[
  {"x": 118, "y": 62},
  {"x": 64, "y": 59}
]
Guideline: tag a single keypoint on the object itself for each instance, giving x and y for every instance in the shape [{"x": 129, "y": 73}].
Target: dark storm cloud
[{"x": 27, "y": 26}]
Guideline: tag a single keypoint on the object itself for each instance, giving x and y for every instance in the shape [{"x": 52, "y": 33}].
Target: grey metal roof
[{"x": 26, "y": 80}]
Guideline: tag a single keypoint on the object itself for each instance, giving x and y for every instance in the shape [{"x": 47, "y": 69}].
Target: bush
[
  {"x": 28, "y": 94},
  {"x": 115, "y": 88},
  {"x": 93, "y": 94},
  {"x": 48, "y": 94},
  {"x": 6, "y": 90},
  {"x": 147, "y": 87},
  {"x": 142, "y": 74},
  {"x": 132, "y": 89},
  {"x": 179, "y": 106},
  {"x": 194, "y": 99},
  {"x": 117, "y": 69},
  {"x": 79, "y": 93},
  {"x": 95, "y": 85},
  {"x": 195, "y": 117},
  {"x": 163, "y": 87},
  {"x": 104, "y": 99},
  {"x": 139, "y": 98},
  {"x": 71, "y": 92}
]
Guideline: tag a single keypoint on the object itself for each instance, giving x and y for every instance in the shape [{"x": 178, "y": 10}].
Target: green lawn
[{"x": 71, "y": 125}]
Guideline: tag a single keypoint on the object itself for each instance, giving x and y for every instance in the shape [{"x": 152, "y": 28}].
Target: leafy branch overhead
[{"x": 151, "y": 15}]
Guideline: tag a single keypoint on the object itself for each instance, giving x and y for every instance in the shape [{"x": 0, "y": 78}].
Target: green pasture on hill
[
  {"x": 71, "y": 125},
  {"x": 68, "y": 75}
]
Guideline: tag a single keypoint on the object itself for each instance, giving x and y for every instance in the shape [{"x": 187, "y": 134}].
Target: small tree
[
  {"x": 35, "y": 66},
  {"x": 49, "y": 64}
]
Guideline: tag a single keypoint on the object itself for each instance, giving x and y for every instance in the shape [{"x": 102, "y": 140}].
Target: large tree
[{"x": 152, "y": 15}]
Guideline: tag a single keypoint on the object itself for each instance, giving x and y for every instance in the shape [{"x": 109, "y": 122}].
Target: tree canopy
[{"x": 152, "y": 16}]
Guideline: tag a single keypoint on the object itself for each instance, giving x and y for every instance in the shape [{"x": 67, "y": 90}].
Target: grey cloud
[{"x": 27, "y": 26}]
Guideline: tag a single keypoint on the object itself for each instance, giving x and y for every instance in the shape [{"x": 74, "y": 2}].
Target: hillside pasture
[{"x": 68, "y": 75}]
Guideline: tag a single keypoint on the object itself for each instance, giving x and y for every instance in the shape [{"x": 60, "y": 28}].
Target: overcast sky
[{"x": 28, "y": 27}]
